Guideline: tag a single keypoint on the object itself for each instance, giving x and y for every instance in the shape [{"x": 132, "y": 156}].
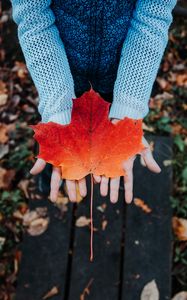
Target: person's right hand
[{"x": 56, "y": 180}]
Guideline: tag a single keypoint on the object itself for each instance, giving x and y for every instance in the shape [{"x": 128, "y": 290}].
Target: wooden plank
[
  {"x": 148, "y": 236},
  {"x": 103, "y": 274},
  {"x": 44, "y": 260}
]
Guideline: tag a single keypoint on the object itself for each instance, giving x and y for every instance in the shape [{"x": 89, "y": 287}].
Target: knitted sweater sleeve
[
  {"x": 45, "y": 58},
  {"x": 141, "y": 56}
]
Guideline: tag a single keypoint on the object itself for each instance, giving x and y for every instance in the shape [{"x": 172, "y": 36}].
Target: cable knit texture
[{"x": 114, "y": 45}]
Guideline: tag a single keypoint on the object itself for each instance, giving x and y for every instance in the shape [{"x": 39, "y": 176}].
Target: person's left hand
[{"x": 128, "y": 174}]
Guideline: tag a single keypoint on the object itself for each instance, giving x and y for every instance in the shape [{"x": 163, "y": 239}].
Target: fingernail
[
  {"x": 52, "y": 199},
  {"x": 128, "y": 199},
  {"x": 83, "y": 194},
  {"x": 113, "y": 200},
  {"x": 72, "y": 197}
]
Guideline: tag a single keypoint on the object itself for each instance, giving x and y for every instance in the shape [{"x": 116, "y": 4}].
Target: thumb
[
  {"x": 149, "y": 159},
  {"x": 38, "y": 166}
]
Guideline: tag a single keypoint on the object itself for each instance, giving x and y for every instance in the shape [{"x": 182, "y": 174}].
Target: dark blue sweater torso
[{"x": 93, "y": 33}]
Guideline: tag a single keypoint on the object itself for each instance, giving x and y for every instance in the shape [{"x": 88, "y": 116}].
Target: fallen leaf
[
  {"x": 3, "y": 93},
  {"x": 62, "y": 202},
  {"x": 61, "y": 199},
  {"x": 184, "y": 105},
  {"x": 4, "y": 149},
  {"x": 163, "y": 83},
  {"x": 84, "y": 146},
  {"x": 82, "y": 221},
  {"x": 178, "y": 129},
  {"x": 36, "y": 221},
  {"x": 167, "y": 162},
  {"x": 23, "y": 185},
  {"x": 2, "y": 241},
  {"x": 38, "y": 226},
  {"x": 3, "y": 133},
  {"x": 41, "y": 211},
  {"x": 164, "y": 96},
  {"x": 28, "y": 109},
  {"x": 180, "y": 296},
  {"x": 1, "y": 217},
  {"x": 29, "y": 216},
  {"x": 181, "y": 80},
  {"x": 150, "y": 291},
  {"x": 54, "y": 291},
  {"x": 18, "y": 215},
  {"x": 3, "y": 88},
  {"x": 140, "y": 203},
  {"x": 21, "y": 69},
  {"x": 3, "y": 99},
  {"x": 104, "y": 224},
  {"x": 180, "y": 228},
  {"x": 6, "y": 177},
  {"x": 102, "y": 207},
  {"x": 86, "y": 290}
]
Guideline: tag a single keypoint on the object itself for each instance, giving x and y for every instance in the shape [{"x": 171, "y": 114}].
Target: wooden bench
[{"x": 134, "y": 248}]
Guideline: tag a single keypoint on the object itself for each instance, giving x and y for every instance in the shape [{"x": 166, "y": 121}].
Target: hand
[
  {"x": 128, "y": 177},
  {"x": 56, "y": 179}
]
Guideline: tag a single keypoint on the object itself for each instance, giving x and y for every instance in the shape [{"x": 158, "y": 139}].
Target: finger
[
  {"x": 128, "y": 179},
  {"x": 150, "y": 161},
  {"x": 82, "y": 187},
  {"x": 114, "y": 189},
  {"x": 55, "y": 183},
  {"x": 104, "y": 185},
  {"x": 38, "y": 166},
  {"x": 128, "y": 186},
  {"x": 71, "y": 189},
  {"x": 97, "y": 178}
]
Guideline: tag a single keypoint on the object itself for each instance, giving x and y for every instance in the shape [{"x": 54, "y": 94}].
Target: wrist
[
  {"x": 122, "y": 110},
  {"x": 63, "y": 117}
]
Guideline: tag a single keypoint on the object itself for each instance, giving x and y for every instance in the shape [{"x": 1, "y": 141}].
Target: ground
[{"x": 18, "y": 109}]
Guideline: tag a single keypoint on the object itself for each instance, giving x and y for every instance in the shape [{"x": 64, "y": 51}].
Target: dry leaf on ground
[
  {"x": 167, "y": 162},
  {"x": 104, "y": 224},
  {"x": 23, "y": 185},
  {"x": 6, "y": 177},
  {"x": 36, "y": 221},
  {"x": 4, "y": 130},
  {"x": 150, "y": 291},
  {"x": 54, "y": 291},
  {"x": 140, "y": 203},
  {"x": 180, "y": 296},
  {"x": 82, "y": 221},
  {"x": 4, "y": 149},
  {"x": 102, "y": 207},
  {"x": 180, "y": 228},
  {"x": 86, "y": 291}
]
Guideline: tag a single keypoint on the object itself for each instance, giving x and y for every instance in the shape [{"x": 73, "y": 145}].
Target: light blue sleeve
[
  {"x": 141, "y": 56},
  {"x": 45, "y": 58}
]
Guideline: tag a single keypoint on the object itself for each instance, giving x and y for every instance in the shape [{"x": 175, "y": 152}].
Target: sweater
[{"x": 114, "y": 45}]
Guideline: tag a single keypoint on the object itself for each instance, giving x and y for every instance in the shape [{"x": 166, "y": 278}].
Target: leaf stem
[{"x": 91, "y": 220}]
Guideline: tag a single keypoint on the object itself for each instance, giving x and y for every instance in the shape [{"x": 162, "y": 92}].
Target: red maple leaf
[{"x": 91, "y": 143}]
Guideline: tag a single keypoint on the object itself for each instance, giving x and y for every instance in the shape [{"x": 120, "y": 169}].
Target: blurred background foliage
[{"x": 18, "y": 109}]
